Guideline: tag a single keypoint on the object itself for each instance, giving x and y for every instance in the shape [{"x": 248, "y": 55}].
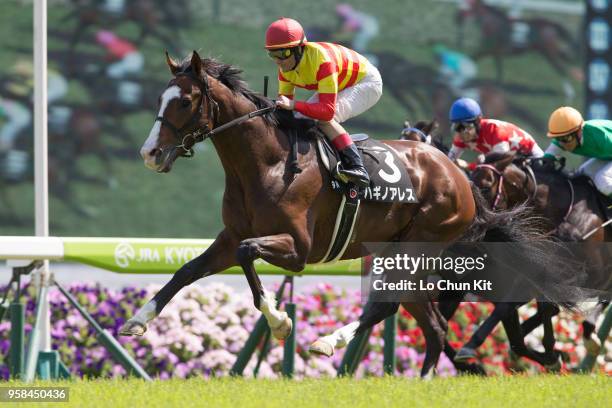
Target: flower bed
[{"x": 202, "y": 330}]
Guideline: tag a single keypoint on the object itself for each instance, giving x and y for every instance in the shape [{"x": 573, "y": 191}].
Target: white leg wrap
[
  {"x": 146, "y": 313},
  {"x": 341, "y": 337},
  {"x": 268, "y": 308}
]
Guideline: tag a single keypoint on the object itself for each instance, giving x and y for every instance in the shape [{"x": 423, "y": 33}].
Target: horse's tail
[{"x": 550, "y": 274}]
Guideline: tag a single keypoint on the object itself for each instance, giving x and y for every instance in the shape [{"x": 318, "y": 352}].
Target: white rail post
[{"x": 41, "y": 182}]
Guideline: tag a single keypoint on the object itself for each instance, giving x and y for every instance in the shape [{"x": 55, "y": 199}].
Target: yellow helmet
[{"x": 563, "y": 121}]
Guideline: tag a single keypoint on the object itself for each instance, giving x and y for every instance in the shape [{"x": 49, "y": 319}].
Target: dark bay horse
[
  {"x": 570, "y": 208},
  {"x": 449, "y": 302},
  {"x": 285, "y": 218}
]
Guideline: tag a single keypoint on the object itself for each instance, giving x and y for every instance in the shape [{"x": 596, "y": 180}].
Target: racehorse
[
  {"x": 502, "y": 35},
  {"x": 570, "y": 206},
  {"x": 287, "y": 219},
  {"x": 449, "y": 302}
]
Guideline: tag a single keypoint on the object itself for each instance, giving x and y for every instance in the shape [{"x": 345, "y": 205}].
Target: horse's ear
[
  {"x": 172, "y": 64},
  {"x": 406, "y": 124},
  {"x": 196, "y": 63}
]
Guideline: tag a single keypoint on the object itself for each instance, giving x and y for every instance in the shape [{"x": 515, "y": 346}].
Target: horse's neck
[
  {"x": 243, "y": 148},
  {"x": 559, "y": 191}
]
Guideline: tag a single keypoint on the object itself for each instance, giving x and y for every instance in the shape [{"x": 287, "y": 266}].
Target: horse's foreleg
[
  {"x": 500, "y": 312},
  {"x": 373, "y": 313},
  {"x": 218, "y": 257},
  {"x": 279, "y": 250}
]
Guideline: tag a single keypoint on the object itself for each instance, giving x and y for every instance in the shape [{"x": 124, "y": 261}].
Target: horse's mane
[
  {"x": 230, "y": 76},
  {"x": 496, "y": 156}
]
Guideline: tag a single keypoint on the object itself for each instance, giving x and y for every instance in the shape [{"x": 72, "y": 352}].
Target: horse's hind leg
[
  {"x": 218, "y": 257},
  {"x": 517, "y": 340},
  {"x": 590, "y": 337},
  {"x": 448, "y": 303},
  {"x": 435, "y": 335},
  {"x": 279, "y": 250}
]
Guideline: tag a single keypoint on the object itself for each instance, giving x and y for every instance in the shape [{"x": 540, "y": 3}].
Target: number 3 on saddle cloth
[{"x": 389, "y": 182}]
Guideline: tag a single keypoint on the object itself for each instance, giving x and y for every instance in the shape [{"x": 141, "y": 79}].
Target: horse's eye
[{"x": 185, "y": 102}]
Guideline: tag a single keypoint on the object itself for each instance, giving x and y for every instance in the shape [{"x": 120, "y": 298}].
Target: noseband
[{"x": 189, "y": 139}]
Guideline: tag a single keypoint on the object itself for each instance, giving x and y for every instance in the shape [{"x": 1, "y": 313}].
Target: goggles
[
  {"x": 567, "y": 138},
  {"x": 281, "y": 53},
  {"x": 461, "y": 127}
]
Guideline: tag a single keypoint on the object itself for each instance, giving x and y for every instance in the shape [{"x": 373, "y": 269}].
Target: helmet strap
[
  {"x": 298, "y": 52},
  {"x": 477, "y": 124}
]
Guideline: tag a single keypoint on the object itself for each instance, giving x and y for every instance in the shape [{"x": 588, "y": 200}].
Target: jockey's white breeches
[
  {"x": 356, "y": 99},
  {"x": 600, "y": 171}
]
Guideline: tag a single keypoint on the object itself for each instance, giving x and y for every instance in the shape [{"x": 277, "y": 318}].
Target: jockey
[
  {"x": 593, "y": 138},
  {"x": 481, "y": 135},
  {"x": 346, "y": 85},
  {"x": 125, "y": 57}
]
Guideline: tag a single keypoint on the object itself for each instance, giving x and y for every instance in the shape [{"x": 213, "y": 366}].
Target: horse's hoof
[
  {"x": 593, "y": 345},
  {"x": 429, "y": 376},
  {"x": 555, "y": 367},
  {"x": 132, "y": 328},
  {"x": 283, "y": 330},
  {"x": 465, "y": 354},
  {"x": 321, "y": 348}
]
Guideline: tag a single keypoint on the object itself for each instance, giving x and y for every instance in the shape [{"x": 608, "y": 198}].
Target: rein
[
  {"x": 500, "y": 184},
  {"x": 570, "y": 208}
]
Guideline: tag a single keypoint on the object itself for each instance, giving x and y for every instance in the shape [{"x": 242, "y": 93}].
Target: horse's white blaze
[{"x": 172, "y": 92}]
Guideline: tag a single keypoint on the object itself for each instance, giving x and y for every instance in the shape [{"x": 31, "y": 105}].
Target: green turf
[{"x": 515, "y": 391}]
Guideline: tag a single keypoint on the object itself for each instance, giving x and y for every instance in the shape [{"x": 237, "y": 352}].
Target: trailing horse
[
  {"x": 449, "y": 301},
  {"x": 287, "y": 218},
  {"x": 573, "y": 211}
]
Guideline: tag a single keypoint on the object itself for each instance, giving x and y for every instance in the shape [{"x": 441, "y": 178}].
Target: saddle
[
  {"x": 603, "y": 201},
  {"x": 389, "y": 179},
  {"x": 550, "y": 164}
]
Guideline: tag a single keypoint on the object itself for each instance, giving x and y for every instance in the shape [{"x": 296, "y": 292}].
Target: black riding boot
[{"x": 352, "y": 166}]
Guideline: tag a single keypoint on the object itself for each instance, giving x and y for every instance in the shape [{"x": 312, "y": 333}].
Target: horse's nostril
[{"x": 154, "y": 152}]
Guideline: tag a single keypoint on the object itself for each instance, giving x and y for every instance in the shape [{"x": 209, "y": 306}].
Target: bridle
[
  {"x": 200, "y": 133},
  {"x": 188, "y": 140},
  {"x": 500, "y": 181}
]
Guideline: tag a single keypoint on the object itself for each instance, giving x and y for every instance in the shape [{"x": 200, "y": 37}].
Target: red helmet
[{"x": 284, "y": 33}]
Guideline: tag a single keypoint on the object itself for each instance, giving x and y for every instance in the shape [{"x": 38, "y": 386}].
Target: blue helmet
[{"x": 464, "y": 109}]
